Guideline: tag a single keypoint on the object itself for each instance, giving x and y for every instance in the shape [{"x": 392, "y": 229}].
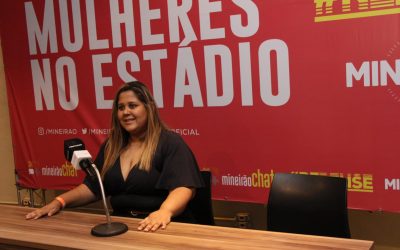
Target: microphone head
[
  {"x": 81, "y": 159},
  {"x": 72, "y": 145}
]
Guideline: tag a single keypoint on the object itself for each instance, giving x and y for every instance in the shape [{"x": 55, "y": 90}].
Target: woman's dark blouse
[{"x": 174, "y": 165}]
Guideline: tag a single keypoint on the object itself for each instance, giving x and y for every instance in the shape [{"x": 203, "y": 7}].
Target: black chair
[
  {"x": 308, "y": 204},
  {"x": 201, "y": 204}
]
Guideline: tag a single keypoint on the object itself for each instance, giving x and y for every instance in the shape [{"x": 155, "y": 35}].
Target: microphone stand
[{"x": 109, "y": 228}]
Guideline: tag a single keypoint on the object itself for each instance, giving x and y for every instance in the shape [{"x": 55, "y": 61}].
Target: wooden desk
[{"x": 71, "y": 230}]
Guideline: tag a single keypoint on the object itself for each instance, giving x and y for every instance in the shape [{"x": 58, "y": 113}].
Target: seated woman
[{"x": 148, "y": 170}]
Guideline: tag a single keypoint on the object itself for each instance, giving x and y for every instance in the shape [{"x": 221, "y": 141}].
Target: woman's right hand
[{"x": 49, "y": 210}]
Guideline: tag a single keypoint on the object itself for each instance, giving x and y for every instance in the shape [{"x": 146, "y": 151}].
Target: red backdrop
[{"x": 254, "y": 87}]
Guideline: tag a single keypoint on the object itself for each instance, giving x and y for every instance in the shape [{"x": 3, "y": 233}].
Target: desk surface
[{"x": 71, "y": 230}]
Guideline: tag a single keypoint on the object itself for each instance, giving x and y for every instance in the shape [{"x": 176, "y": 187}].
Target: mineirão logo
[{"x": 331, "y": 10}]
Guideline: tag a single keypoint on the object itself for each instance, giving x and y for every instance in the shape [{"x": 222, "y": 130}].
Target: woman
[{"x": 148, "y": 171}]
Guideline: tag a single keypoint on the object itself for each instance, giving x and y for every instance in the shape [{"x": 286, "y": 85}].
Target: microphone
[{"x": 74, "y": 151}]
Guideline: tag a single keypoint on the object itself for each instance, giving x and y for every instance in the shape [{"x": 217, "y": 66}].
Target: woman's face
[{"x": 132, "y": 114}]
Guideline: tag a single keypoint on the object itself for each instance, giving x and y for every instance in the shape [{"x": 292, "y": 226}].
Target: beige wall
[
  {"x": 377, "y": 226},
  {"x": 8, "y": 192}
]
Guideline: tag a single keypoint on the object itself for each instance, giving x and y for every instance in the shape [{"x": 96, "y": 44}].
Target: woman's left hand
[
  {"x": 157, "y": 219},
  {"x": 175, "y": 203}
]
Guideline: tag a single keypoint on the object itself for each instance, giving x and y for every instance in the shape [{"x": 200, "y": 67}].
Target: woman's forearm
[
  {"x": 79, "y": 196},
  {"x": 177, "y": 200}
]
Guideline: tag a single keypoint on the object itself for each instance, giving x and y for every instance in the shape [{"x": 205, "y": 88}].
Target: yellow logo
[{"x": 332, "y": 10}]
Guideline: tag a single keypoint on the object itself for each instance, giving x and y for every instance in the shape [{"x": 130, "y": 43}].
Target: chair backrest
[
  {"x": 308, "y": 204},
  {"x": 201, "y": 204}
]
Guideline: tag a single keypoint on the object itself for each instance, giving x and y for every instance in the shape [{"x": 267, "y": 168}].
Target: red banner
[{"x": 254, "y": 87}]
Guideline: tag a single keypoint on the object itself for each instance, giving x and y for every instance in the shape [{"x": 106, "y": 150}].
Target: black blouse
[{"x": 174, "y": 165}]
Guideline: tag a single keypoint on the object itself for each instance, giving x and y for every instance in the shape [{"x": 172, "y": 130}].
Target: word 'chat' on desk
[{"x": 71, "y": 230}]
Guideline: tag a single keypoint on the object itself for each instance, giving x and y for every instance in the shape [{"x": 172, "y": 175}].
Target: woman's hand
[
  {"x": 49, "y": 210},
  {"x": 158, "y": 219},
  {"x": 175, "y": 203}
]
